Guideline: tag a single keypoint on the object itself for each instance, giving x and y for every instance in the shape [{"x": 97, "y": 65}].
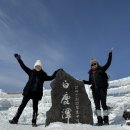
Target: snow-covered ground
[{"x": 118, "y": 99}]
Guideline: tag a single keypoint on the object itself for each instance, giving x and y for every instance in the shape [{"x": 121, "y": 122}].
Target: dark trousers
[
  {"x": 99, "y": 96},
  {"x": 23, "y": 105}
]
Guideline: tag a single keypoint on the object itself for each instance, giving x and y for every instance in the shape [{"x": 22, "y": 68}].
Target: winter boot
[
  {"x": 13, "y": 121},
  {"x": 34, "y": 118},
  {"x": 34, "y": 125},
  {"x": 99, "y": 118},
  {"x": 106, "y": 120},
  {"x": 99, "y": 121}
]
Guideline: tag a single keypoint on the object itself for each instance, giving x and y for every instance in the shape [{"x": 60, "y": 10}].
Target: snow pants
[
  {"x": 23, "y": 105},
  {"x": 99, "y": 97}
]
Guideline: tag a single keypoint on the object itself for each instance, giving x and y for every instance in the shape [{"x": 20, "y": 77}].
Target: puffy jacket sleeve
[
  {"x": 108, "y": 63},
  {"x": 24, "y": 67},
  {"x": 49, "y": 78}
]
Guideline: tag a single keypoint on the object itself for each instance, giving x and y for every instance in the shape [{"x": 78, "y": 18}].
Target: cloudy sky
[{"x": 63, "y": 34}]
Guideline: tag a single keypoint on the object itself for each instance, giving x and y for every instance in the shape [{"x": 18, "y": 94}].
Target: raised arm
[
  {"x": 23, "y": 66},
  {"x": 87, "y": 82},
  {"x": 108, "y": 63},
  {"x": 49, "y": 78}
]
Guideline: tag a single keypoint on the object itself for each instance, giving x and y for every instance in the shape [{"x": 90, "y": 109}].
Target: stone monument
[{"x": 70, "y": 102}]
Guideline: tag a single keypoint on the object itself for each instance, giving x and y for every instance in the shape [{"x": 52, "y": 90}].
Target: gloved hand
[
  {"x": 59, "y": 69},
  {"x": 111, "y": 50},
  {"x": 17, "y": 56}
]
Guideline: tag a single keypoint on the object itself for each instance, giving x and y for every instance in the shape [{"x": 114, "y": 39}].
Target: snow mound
[
  {"x": 120, "y": 82},
  {"x": 4, "y": 104},
  {"x": 119, "y": 91},
  {"x": 2, "y": 93}
]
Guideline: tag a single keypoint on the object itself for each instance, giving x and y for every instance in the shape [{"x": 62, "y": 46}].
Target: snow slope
[{"x": 118, "y": 99}]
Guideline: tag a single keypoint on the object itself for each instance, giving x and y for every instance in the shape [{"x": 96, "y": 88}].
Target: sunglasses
[{"x": 94, "y": 64}]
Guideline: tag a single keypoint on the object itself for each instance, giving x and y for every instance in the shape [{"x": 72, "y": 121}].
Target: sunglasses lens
[{"x": 93, "y": 64}]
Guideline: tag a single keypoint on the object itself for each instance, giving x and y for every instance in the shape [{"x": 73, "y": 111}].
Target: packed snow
[{"x": 118, "y": 99}]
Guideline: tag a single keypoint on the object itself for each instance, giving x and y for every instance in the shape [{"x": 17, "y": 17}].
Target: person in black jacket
[
  {"x": 33, "y": 89},
  {"x": 98, "y": 80}
]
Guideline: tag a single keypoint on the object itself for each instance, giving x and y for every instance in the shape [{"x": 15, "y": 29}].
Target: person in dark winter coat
[
  {"x": 33, "y": 89},
  {"x": 98, "y": 80}
]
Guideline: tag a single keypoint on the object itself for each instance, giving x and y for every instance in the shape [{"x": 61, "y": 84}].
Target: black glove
[
  {"x": 86, "y": 82},
  {"x": 17, "y": 56},
  {"x": 59, "y": 69}
]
